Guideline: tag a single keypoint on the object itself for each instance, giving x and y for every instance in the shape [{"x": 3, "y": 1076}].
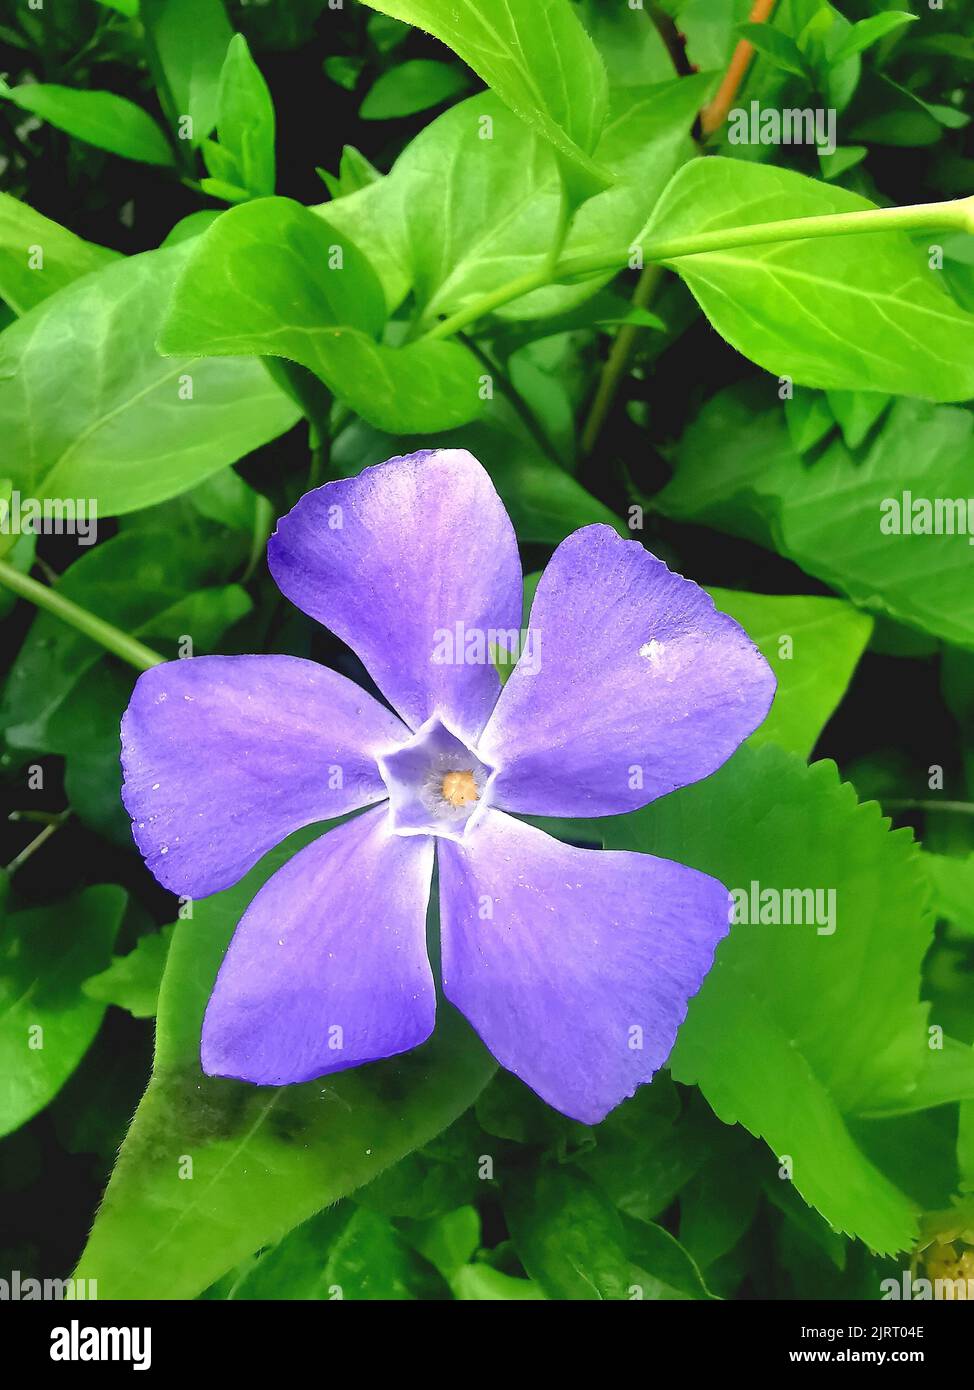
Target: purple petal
[
  {"x": 327, "y": 968},
  {"x": 575, "y": 966},
  {"x": 637, "y": 686},
  {"x": 395, "y": 558},
  {"x": 225, "y": 755}
]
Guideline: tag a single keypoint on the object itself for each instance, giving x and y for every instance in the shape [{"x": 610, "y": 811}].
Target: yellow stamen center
[{"x": 459, "y": 788}]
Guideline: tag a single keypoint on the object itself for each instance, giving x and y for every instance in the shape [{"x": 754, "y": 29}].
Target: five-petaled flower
[{"x": 574, "y": 965}]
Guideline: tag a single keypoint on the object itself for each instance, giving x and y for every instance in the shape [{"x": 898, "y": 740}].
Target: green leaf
[
  {"x": 342, "y": 1254},
  {"x": 245, "y": 120},
  {"x": 778, "y": 47},
  {"x": 38, "y": 257},
  {"x": 783, "y": 1037},
  {"x": 672, "y": 1272},
  {"x": 575, "y": 1245},
  {"x": 99, "y": 118},
  {"x": 344, "y": 70},
  {"x": 841, "y": 160},
  {"x": 413, "y": 86},
  {"x": 187, "y": 46},
  {"x": 123, "y": 431},
  {"x": 374, "y": 218},
  {"x": 475, "y": 213},
  {"x": 864, "y": 522},
  {"x": 869, "y": 31},
  {"x": 354, "y": 173},
  {"x": 650, "y": 1147},
  {"x": 47, "y": 1023},
  {"x": 813, "y": 645},
  {"x": 809, "y": 418},
  {"x": 856, "y": 412},
  {"x": 871, "y": 314},
  {"x": 718, "y": 1206},
  {"x": 272, "y": 278},
  {"x": 952, "y": 881},
  {"x": 461, "y": 213},
  {"x": 538, "y": 59},
  {"x": 132, "y": 981},
  {"x": 447, "y": 1241},
  {"x": 264, "y": 1158},
  {"x": 481, "y": 1283},
  {"x": 890, "y": 114},
  {"x": 947, "y": 1076},
  {"x": 646, "y": 139},
  {"x": 191, "y": 226},
  {"x": 965, "y": 1146},
  {"x": 633, "y": 51},
  {"x": 434, "y": 1180},
  {"x": 569, "y": 1237}
]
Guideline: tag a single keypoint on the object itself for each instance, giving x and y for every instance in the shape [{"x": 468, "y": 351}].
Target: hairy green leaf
[{"x": 264, "y": 1159}]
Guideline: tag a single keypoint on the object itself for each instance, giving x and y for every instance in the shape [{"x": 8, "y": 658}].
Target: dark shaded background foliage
[{"x": 892, "y": 725}]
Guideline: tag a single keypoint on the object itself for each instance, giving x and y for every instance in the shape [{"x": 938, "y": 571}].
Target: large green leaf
[
  {"x": 100, "y": 118},
  {"x": 123, "y": 431},
  {"x": 39, "y": 257},
  {"x": 860, "y": 312},
  {"x": 798, "y": 1026},
  {"x": 47, "y": 1023},
  {"x": 271, "y": 278},
  {"x": 836, "y": 515},
  {"x": 538, "y": 59},
  {"x": 476, "y": 212},
  {"x": 264, "y": 1158},
  {"x": 813, "y": 646}
]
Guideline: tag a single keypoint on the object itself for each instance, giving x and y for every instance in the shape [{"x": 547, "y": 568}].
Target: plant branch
[
  {"x": 714, "y": 114},
  {"x": 673, "y": 41},
  {"x": 954, "y": 215},
  {"x": 520, "y": 406},
  {"x": 618, "y": 358},
  {"x": 36, "y": 843},
  {"x": 113, "y": 639}
]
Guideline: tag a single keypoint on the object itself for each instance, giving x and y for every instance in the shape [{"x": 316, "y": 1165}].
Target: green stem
[
  {"x": 960, "y": 808},
  {"x": 113, "y": 639},
  {"x": 517, "y": 402},
  {"x": 955, "y": 215},
  {"x": 618, "y": 358},
  {"x": 514, "y": 289},
  {"x": 36, "y": 843}
]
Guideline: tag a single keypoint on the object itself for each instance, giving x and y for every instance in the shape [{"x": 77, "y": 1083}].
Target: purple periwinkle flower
[{"x": 575, "y": 966}]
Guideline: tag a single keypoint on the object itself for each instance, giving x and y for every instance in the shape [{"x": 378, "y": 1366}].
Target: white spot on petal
[{"x": 652, "y": 651}]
